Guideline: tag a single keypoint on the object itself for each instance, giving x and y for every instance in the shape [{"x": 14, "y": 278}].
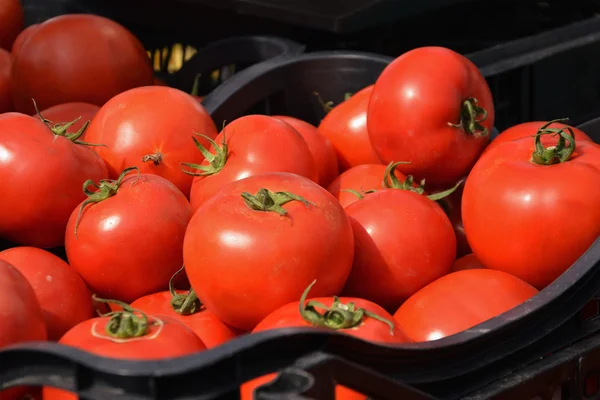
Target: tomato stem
[
  {"x": 391, "y": 181},
  {"x": 265, "y": 200},
  {"x": 440, "y": 195},
  {"x": 104, "y": 189},
  {"x": 156, "y": 158},
  {"x": 183, "y": 304},
  {"x": 327, "y": 106},
  {"x": 554, "y": 154},
  {"x": 125, "y": 324},
  {"x": 216, "y": 161},
  {"x": 338, "y": 316},
  {"x": 361, "y": 194},
  {"x": 471, "y": 117}
]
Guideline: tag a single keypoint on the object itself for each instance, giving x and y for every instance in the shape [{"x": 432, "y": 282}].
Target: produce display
[{"x": 396, "y": 220}]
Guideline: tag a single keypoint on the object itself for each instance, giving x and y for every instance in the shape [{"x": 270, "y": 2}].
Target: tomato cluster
[{"x": 183, "y": 238}]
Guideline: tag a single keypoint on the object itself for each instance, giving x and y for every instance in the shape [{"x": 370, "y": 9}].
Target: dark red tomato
[
  {"x": 68, "y": 112},
  {"x": 255, "y": 144},
  {"x": 155, "y": 142},
  {"x": 403, "y": 241},
  {"x": 62, "y": 294},
  {"x": 432, "y": 107},
  {"x": 204, "y": 323},
  {"x": 452, "y": 206},
  {"x": 341, "y": 392},
  {"x": 460, "y": 301},
  {"x": 98, "y": 59},
  {"x": 469, "y": 261},
  {"x": 272, "y": 227},
  {"x": 320, "y": 147},
  {"x": 532, "y": 211},
  {"x": 346, "y": 127},
  {"x": 36, "y": 164},
  {"x": 5, "y": 74},
  {"x": 22, "y": 38},
  {"x": 12, "y": 20},
  {"x": 128, "y": 242}
]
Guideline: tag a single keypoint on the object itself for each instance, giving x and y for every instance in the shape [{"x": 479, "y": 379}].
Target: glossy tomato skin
[
  {"x": 12, "y": 20},
  {"x": 532, "y": 221},
  {"x": 210, "y": 329},
  {"x": 257, "y": 144},
  {"x": 414, "y": 100},
  {"x": 129, "y": 245},
  {"x": 346, "y": 127},
  {"x": 98, "y": 60},
  {"x": 5, "y": 74},
  {"x": 38, "y": 165},
  {"x": 403, "y": 241},
  {"x": 320, "y": 147},
  {"x": 22, "y": 38},
  {"x": 52, "y": 279},
  {"x": 257, "y": 248},
  {"x": 469, "y": 261},
  {"x": 130, "y": 131},
  {"x": 459, "y": 301},
  {"x": 67, "y": 112}
]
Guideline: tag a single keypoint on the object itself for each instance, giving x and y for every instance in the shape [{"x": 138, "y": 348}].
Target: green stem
[
  {"x": 126, "y": 324},
  {"x": 440, "y": 195},
  {"x": 265, "y": 200},
  {"x": 183, "y": 304},
  {"x": 554, "y": 154},
  {"x": 471, "y": 117},
  {"x": 327, "y": 106},
  {"x": 391, "y": 181},
  {"x": 216, "y": 161}
]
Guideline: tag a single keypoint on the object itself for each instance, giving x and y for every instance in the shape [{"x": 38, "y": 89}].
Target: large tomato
[
  {"x": 5, "y": 73},
  {"x": 125, "y": 239},
  {"x": 532, "y": 210},
  {"x": 432, "y": 107},
  {"x": 346, "y": 127},
  {"x": 63, "y": 296},
  {"x": 129, "y": 335},
  {"x": 68, "y": 112},
  {"x": 320, "y": 147},
  {"x": 403, "y": 241},
  {"x": 155, "y": 142},
  {"x": 22, "y": 38},
  {"x": 272, "y": 227},
  {"x": 98, "y": 59},
  {"x": 249, "y": 146},
  {"x": 12, "y": 20},
  {"x": 42, "y": 174},
  {"x": 459, "y": 301}
]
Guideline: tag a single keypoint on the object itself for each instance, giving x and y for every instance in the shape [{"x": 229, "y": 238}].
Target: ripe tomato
[
  {"x": 531, "y": 210},
  {"x": 341, "y": 392},
  {"x": 52, "y": 278},
  {"x": 155, "y": 142},
  {"x": 22, "y": 38},
  {"x": 98, "y": 59},
  {"x": 432, "y": 107},
  {"x": 272, "y": 227},
  {"x": 319, "y": 146},
  {"x": 129, "y": 235},
  {"x": 12, "y": 20},
  {"x": 5, "y": 73},
  {"x": 346, "y": 127},
  {"x": 249, "y": 146},
  {"x": 37, "y": 202},
  {"x": 469, "y": 261},
  {"x": 64, "y": 113},
  {"x": 146, "y": 337},
  {"x": 403, "y": 241},
  {"x": 459, "y": 301}
]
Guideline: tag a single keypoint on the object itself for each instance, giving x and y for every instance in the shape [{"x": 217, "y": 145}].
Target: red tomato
[
  {"x": 346, "y": 127},
  {"x": 204, "y": 323},
  {"x": 68, "y": 112},
  {"x": 249, "y": 146},
  {"x": 155, "y": 142},
  {"x": 98, "y": 59},
  {"x": 432, "y": 107},
  {"x": 460, "y": 301},
  {"x": 22, "y": 38},
  {"x": 341, "y": 392},
  {"x": 533, "y": 211},
  {"x": 319, "y": 146},
  {"x": 52, "y": 278},
  {"x": 163, "y": 338},
  {"x": 403, "y": 241},
  {"x": 12, "y": 20},
  {"x": 128, "y": 243},
  {"x": 37, "y": 202},
  {"x": 303, "y": 235},
  {"x": 469, "y": 261},
  {"x": 452, "y": 206},
  {"x": 5, "y": 73}
]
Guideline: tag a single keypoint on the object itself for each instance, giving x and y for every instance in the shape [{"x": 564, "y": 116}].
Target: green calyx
[
  {"x": 471, "y": 118},
  {"x": 216, "y": 161},
  {"x": 104, "y": 189},
  {"x": 268, "y": 201},
  {"x": 391, "y": 181},
  {"x": 338, "y": 316},
  {"x": 360, "y": 194},
  {"x": 329, "y": 105},
  {"x": 183, "y": 303},
  {"x": 126, "y": 324},
  {"x": 554, "y": 154}
]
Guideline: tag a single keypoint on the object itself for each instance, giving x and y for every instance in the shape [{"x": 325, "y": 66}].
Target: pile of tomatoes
[{"x": 395, "y": 220}]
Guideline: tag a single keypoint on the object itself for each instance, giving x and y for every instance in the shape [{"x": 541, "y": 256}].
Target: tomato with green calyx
[
  {"x": 82, "y": 113},
  {"x": 469, "y": 261},
  {"x": 125, "y": 239},
  {"x": 248, "y": 146},
  {"x": 531, "y": 209},
  {"x": 459, "y": 301},
  {"x": 273, "y": 234},
  {"x": 185, "y": 307},
  {"x": 431, "y": 106},
  {"x": 42, "y": 168}
]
